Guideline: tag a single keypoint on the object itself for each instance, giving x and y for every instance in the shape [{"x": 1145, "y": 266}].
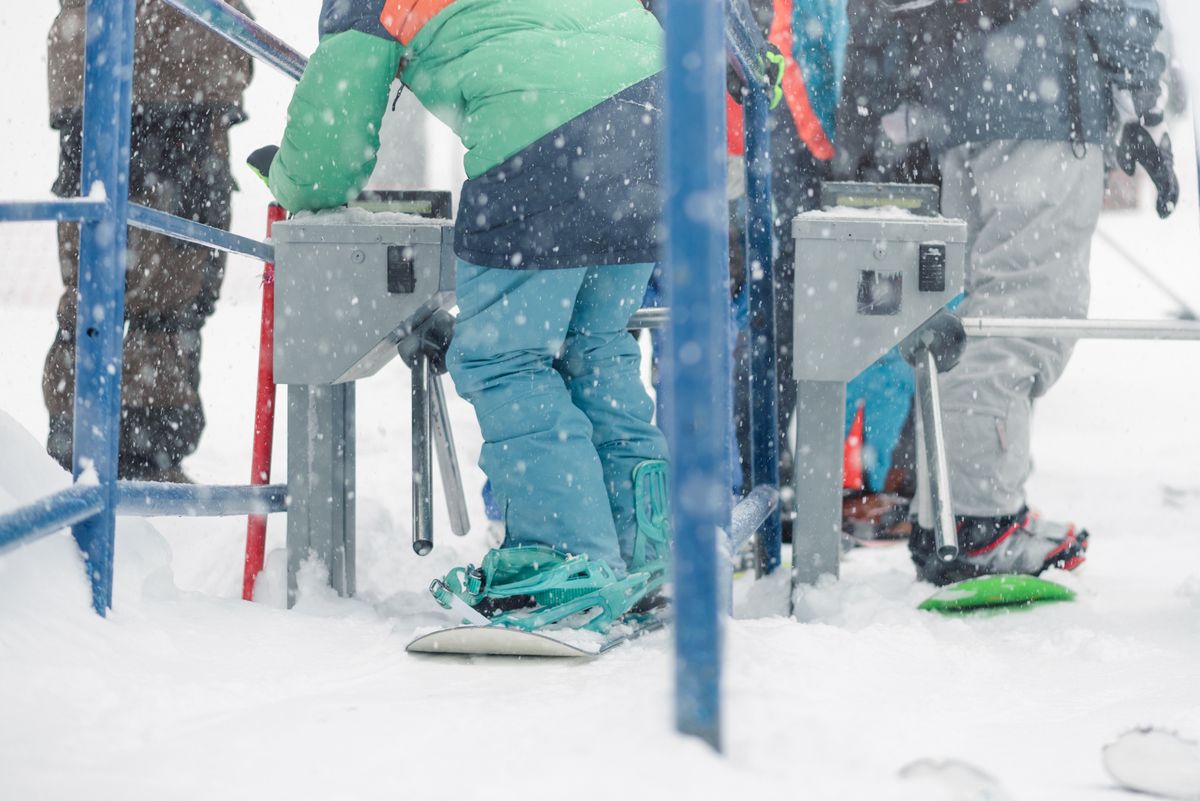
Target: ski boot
[
  {"x": 1021, "y": 543},
  {"x": 874, "y": 518},
  {"x": 533, "y": 586}
]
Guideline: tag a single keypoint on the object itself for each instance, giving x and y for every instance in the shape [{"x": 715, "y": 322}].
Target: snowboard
[
  {"x": 1155, "y": 761},
  {"x": 998, "y": 592},
  {"x": 483, "y": 640}
]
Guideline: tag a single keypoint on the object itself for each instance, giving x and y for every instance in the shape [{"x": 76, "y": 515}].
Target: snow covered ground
[{"x": 186, "y": 692}]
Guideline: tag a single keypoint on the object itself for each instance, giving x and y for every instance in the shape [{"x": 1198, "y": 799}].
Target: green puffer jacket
[{"x": 500, "y": 73}]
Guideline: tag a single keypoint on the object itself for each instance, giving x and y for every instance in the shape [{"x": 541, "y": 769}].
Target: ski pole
[{"x": 264, "y": 417}]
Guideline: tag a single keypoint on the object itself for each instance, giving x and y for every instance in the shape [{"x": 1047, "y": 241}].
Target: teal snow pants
[{"x": 555, "y": 379}]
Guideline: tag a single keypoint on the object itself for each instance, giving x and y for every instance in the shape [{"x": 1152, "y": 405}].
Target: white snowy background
[{"x": 186, "y": 692}]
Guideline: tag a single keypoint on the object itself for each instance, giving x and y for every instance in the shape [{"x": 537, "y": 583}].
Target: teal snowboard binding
[
  {"x": 652, "y": 542},
  {"x": 532, "y": 587}
]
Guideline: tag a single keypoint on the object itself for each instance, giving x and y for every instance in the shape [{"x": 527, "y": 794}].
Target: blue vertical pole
[
  {"x": 697, "y": 370},
  {"x": 764, "y": 419},
  {"x": 108, "y": 74}
]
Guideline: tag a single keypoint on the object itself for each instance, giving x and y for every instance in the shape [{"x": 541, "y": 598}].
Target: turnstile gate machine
[
  {"x": 354, "y": 289},
  {"x": 875, "y": 267}
]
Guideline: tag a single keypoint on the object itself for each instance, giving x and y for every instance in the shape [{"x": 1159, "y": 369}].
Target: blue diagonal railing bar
[
  {"x": 154, "y": 499},
  {"x": 749, "y": 514},
  {"x": 745, "y": 41},
  {"x": 50, "y": 514},
  {"x": 244, "y": 32},
  {"x": 160, "y": 222},
  {"x": 74, "y": 209}
]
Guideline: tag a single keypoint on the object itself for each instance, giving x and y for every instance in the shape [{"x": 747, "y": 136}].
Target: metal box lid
[{"x": 875, "y": 225}]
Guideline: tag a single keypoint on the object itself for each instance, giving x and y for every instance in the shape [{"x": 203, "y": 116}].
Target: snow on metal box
[
  {"x": 350, "y": 285},
  {"x": 865, "y": 279}
]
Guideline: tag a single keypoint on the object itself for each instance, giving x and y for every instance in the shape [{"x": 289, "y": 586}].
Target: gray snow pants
[{"x": 1031, "y": 208}]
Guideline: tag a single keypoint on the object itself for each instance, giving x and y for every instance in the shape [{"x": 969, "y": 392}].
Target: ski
[
  {"x": 485, "y": 640},
  {"x": 1155, "y": 761}
]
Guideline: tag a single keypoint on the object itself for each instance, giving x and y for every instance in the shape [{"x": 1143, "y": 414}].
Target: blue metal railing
[
  {"x": 760, "y": 274},
  {"x": 245, "y": 33},
  {"x": 105, "y": 214},
  {"x": 50, "y": 514},
  {"x": 696, "y": 287},
  {"x": 75, "y": 209},
  {"x": 107, "y": 83},
  {"x": 697, "y": 283},
  {"x": 697, "y": 369},
  {"x": 160, "y": 222}
]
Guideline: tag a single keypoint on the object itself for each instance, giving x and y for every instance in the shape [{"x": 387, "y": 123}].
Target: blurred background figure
[{"x": 187, "y": 93}]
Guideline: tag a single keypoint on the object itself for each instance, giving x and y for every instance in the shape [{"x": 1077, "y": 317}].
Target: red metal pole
[{"x": 264, "y": 417}]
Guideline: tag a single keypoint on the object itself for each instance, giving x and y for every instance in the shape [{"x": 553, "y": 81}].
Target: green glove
[
  {"x": 773, "y": 69},
  {"x": 260, "y": 162}
]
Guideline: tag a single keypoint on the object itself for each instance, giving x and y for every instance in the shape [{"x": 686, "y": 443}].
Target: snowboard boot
[
  {"x": 1020, "y": 543},
  {"x": 533, "y": 586}
]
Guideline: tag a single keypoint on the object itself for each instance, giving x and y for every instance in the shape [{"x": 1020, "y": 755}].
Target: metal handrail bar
[
  {"x": 156, "y": 499},
  {"x": 1081, "y": 329},
  {"x": 244, "y": 32},
  {"x": 650, "y": 317},
  {"x": 50, "y": 514},
  {"x": 72, "y": 209},
  {"x": 749, "y": 514},
  {"x": 160, "y": 222},
  {"x": 1031, "y": 327}
]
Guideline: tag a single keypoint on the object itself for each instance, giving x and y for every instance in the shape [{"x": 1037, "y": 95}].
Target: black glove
[
  {"x": 772, "y": 63},
  {"x": 734, "y": 84},
  {"x": 430, "y": 339},
  {"x": 1135, "y": 147},
  {"x": 260, "y": 161},
  {"x": 1149, "y": 105}
]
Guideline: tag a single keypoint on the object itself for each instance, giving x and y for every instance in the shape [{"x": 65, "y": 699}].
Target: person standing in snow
[
  {"x": 559, "y": 107},
  {"x": 187, "y": 93},
  {"x": 1017, "y": 97}
]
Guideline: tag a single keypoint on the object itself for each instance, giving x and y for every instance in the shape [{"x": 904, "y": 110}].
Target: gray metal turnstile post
[
  {"x": 817, "y": 529},
  {"x": 350, "y": 287},
  {"x": 935, "y": 509},
  {"x": 865, "y": 279},
  {"x": 443, "y": 440},
  {"x": 320, "y": 520},
  {"x": 422, "y": 458}
]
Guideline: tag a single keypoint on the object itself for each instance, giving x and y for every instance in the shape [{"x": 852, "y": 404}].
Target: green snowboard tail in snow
[{"x": 992, "y": 592}]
